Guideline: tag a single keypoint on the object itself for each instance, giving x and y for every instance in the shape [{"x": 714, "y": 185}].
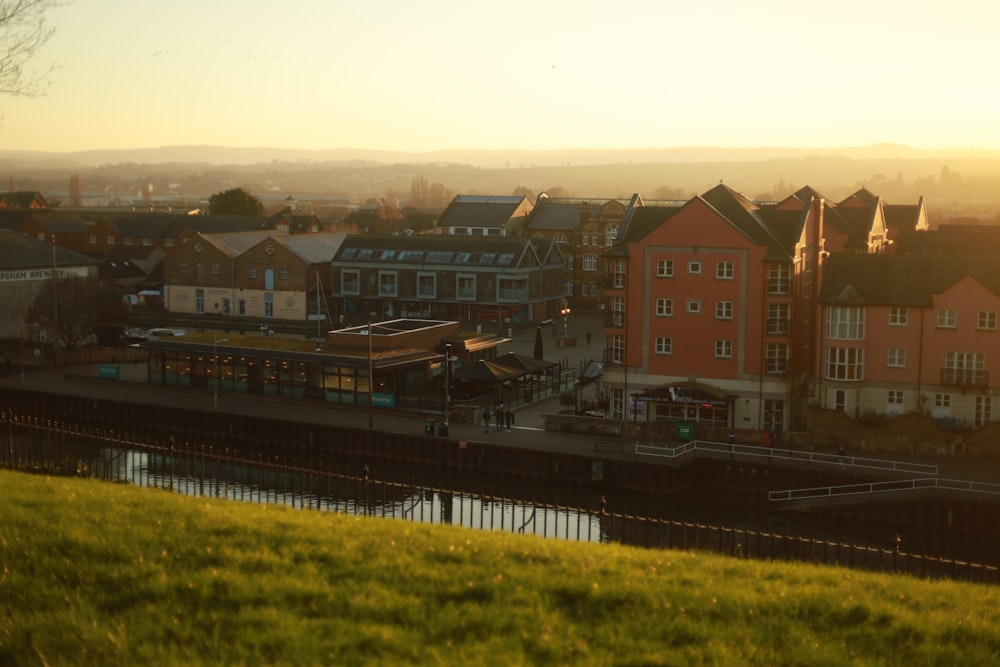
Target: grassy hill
[{"x": 93, "y": 573}]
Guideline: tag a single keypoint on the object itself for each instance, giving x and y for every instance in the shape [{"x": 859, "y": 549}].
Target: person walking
[
  {"x": 486, "y": 420},
  {"x": 508, "y": 418},
  {"x": 499, "y": 418},
  {"x": 588, "y": 339}
]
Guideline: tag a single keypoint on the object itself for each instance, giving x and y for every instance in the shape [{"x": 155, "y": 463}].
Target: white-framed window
[
  {"x": 92, "y": 239},
  {"x": 724, "y": 270},
  {"x": 723, "y": 349},
  {"x": 586, "y": 240},
  {"x": 664, "y": 268},
  {"x": 779, "y": 279},
  {"x": 694, "y": 306},
  {"x": 845, "y": 323},
  {"x": 610, "y": 235},
  {"x": 110, "y": 239},
  {"x": 618, "y": 311},
  {"x": 559, "y": 239},
  {"x": 590, "y": 262},
  {"x": 965, "y": 368},
  {"x": 146, "y": 241},
  {"x": 778, "y": 319},
  {"x": 593, "y": 239},
  {"x": 253, "y": 274},
  {"x": 182, "y": 268},
  {"x": 570, "y": 262},
  {"x": 942, "y": 400},
  {"x": 694, "y": 268},
  {"x": 126, "y": 240},
  {"x": 986, "y": 320},
  {"x": 845, "y": 363},
  {"x": 897, "y": 357},
  {"x": 723, "y": 310},
  {"x": 664, "y": 345},
  {"x": 984, "y": 411},
  {"x": 568, "y": 288},
  {"x": 216, "y": 269},
  {"x": 466, "y": 286},
  {"x": 168, "y": 243},
  {"x": 664, "y": 307},
  {"x": 593, "y": 290},
  {"x": 387, "y": 283},
  {"x": 199, "y": 300},
  {"x": 350, "y": 280},
  {"x": 619, "y": 273},
  {"x": 894, "y": 397},
  {"x": 776, "y": 359},
  {"x": 947, "y": 318},
  {"x": 617, "y": 348},
  {"x": 898, "y": 316},
  {"x": 426, "y": 285},
  {"x": 283, "y": 273}
]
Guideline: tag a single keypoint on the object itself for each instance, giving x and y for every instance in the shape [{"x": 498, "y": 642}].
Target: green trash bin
[{"x": 428, "y": 427}]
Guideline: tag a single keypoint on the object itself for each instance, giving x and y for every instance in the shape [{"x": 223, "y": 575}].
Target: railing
[
  {"x": 685, "y": 451},
  {"x": 53, "y": 448},
  {"x": 866, "y": 490},
  {"x": 954, "y": 377}
]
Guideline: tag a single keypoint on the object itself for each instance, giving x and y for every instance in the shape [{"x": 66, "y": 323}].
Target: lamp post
[
  {"x": 447, "y": 380},
  {"x": 215, "y": 357},
  {"x": 565, "y": 318}
]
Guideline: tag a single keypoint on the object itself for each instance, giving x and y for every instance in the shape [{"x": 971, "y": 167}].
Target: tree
[
  {"x": 236, "y": 201},
  {"x": 70, "y": 308},
  {"x": 23, "y": 32}
]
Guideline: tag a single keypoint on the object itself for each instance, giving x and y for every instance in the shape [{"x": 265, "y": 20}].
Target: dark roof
[
  {"x": 18, "y": 251},
  {"x": 480, "y": 210},
  {"x": 23, "y": 198},
  {"x": 968, "y": 240},
  {"x": 440, "y": 249},
  {"x": 900, "y": 280}
]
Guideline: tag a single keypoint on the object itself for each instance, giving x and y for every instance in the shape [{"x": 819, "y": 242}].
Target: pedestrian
[
  {"x": 588, "y": 338},
  {"x": 486, "y": 419},
  {"x": 841, "y": 453},
  {"x": 499, "y": 417},
  {"x": 732, "y": 444},
  {"x": 508, "y": 417}
]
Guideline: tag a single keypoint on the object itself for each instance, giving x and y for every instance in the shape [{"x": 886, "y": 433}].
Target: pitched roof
[
  {"x": 481, "y": 210},
  {"x": 18, "y": 251},
  {"x": 314, "y": 248},
  {"x": 900, "y": 280}
]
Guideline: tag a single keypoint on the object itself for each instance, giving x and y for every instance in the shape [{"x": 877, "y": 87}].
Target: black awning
[{"x": 685, "y": 394}]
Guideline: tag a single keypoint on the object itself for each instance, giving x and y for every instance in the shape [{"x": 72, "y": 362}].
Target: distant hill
[{"x": 486, "y": 158}]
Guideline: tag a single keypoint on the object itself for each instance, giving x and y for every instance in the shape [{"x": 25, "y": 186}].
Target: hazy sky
[{"x": 531, "y": 74}]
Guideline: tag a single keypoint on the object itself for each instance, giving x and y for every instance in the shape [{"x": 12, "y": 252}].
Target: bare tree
[
  {"x": 69, "y": 307},
  {"x": 23, "y": 31}
]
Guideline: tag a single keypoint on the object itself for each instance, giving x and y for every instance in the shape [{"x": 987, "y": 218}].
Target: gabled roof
[
  {"x": 23, "y": 199},
  {"x": 438, "y": 249},
  {"x": 482, "y": 210},
  {"x": 900, "y": 280},
  {"x": 234, "y": 244},
  {"x": 147, "y": 225},
  {"x": 862, "y": 197},
  {"x": 313, "y": 248},
  {"x": 18, "y": 251}
]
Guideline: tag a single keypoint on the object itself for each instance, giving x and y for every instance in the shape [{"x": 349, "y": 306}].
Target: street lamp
[
  {"x": 215, "y": 357},
  {"x": 565, "y": 318},
  {"x": 447, "y": 380}
]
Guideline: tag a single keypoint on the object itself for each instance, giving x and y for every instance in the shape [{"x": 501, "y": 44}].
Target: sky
[{"x": 522, "y": 74}]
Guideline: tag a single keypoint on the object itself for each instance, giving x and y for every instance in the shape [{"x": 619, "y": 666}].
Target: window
[
  {"x": 568, "y": 288},
  {"x": 723, "y": 310},
  {"x": 664, "y": 307},
  {"x": 610, "y": 235},
  {"x": 724, "y": 270},
  {"x": 199, "y": 301},
  {"x": 216, "y": 269},
  {"x": 965, "y": 368},
  {"x": 590, "y": 262},
  {"x": 92, "y": 239},
  {"x": 146, "y": 241},
  {"x": 387, "y": 283},
  {"x": 942, "y": 400},
  {"x": 694, "y": 306},
  {"x": 619, "y": 274},
  {"x": 778, "y": 320},
  {"x": 199, "y": 270},
  {"x": 427, "y": 285},
  {"x": 593, "y": 239},
  {"x": 126, "y": 240},
  {"x": 694, "y": 268},
  {"x": 898, "y": 317},
  {"x": 586, "y": 240},
  {"x": 560, "y": 239},
  {"x": 895, "y": 397},
  {"x": 986, "y": 320},
  {"x": 593, "y": 290},
  {"x": 618, "y": 311},
  {"x": 664, "y": 268},
  {"x": 845, "y": 323},
  {"x": 897, "y": 358},
  {"x": 253, "y": 274},
  {"x": 845, "y": 363},
  {"x": 984, "y": 411},
  {"x": 110, "y": 240},
  {"x": 946, "y": 318},
  {"x": 776, "y": 359},
  {"x": 723, "y": 349},
  {"x": 617, "y": 348},
  {"x": 466, "y": 287},
  {"x": 283, "y": 273},
  {"x": 569, "y": 263},
  {"x": 779, "y": 278},
  {"x": 664, "y": 345},
  {"x": 168, "y": 243}
]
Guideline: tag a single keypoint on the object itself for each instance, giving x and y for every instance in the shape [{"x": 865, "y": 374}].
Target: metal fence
[{"x": 53, "y": 447}]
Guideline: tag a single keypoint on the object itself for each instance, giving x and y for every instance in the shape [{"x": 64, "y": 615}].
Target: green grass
[{"x": 93, "y": 573}]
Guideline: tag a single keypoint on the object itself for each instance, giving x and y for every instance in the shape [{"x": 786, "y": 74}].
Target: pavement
[{"x": 529, "y": 424}]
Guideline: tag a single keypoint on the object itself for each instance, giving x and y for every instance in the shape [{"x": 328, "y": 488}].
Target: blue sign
[{"x": 109, "y": 371}]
